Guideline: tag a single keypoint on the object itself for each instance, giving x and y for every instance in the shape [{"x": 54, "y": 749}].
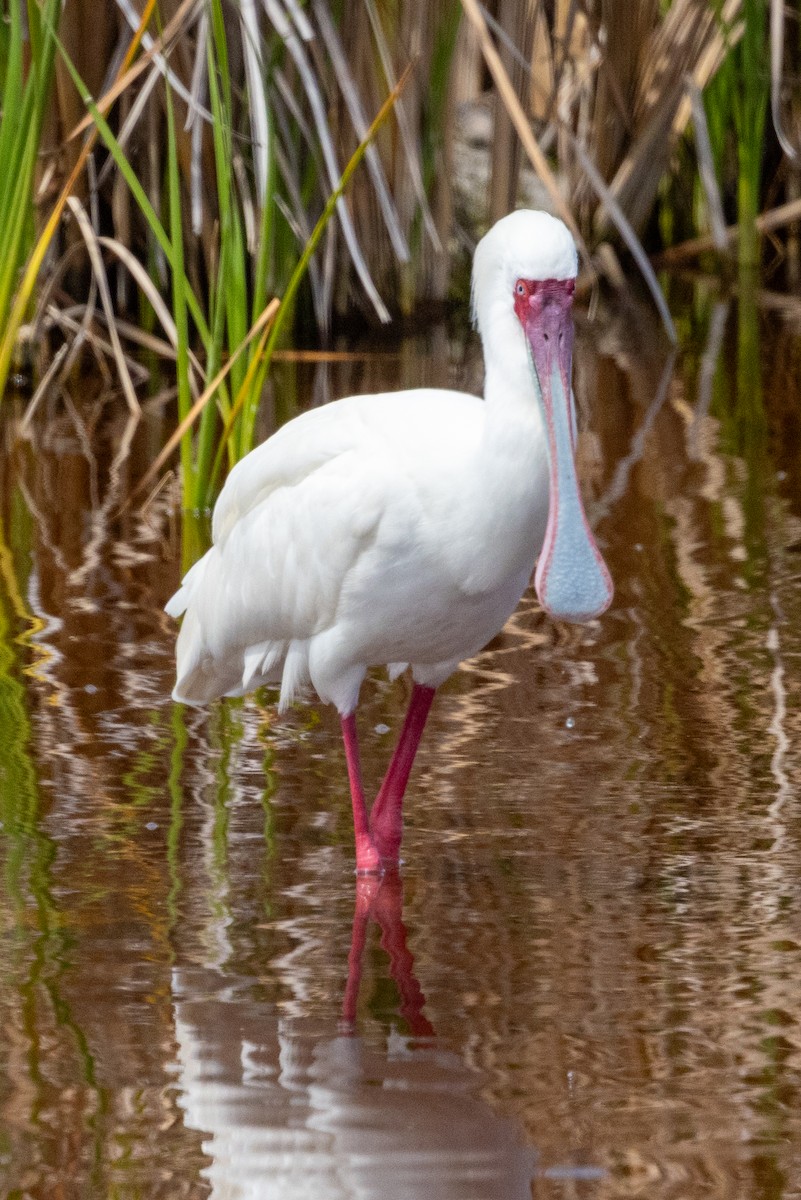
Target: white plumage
[{"x": 403, "y": 528}]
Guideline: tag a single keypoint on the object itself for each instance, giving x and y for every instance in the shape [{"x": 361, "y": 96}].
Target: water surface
[{"x": 585, "y": 980}]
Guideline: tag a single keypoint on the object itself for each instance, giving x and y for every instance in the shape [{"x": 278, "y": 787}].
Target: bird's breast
[
  {"x": 445, "y": 569},
  {"x": 494, "y": 529}
]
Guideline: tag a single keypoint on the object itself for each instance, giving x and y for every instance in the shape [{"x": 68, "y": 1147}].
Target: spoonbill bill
[{"x": 402, "y": 529}]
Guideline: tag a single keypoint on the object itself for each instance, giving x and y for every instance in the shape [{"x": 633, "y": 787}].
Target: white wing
[
  {"x": 294, "y": 519},
  {"x": 404, "y": 424}
]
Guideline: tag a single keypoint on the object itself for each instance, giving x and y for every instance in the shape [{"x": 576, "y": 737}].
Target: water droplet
[
  {"x": 570, "y": 722},
  {"x": 382, "y": 729},
  {"x": 151, "y": 825},
  {"x": 90, "y": 689}
]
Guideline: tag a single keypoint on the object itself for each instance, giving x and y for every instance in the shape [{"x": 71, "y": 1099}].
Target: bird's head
[{"x": 524, "y": 278}]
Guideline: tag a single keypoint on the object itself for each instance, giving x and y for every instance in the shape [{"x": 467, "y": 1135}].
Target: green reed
[
  {"x": 26, "y": 77},
  {"x": 238, "y": 290},
  {"x": 235, "y": 295},
  {"x": 736, "y": 102},
  {"x": 750, "y": 105}
]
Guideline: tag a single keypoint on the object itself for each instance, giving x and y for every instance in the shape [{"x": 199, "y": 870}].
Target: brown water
[{"x": 586, "y": 982}]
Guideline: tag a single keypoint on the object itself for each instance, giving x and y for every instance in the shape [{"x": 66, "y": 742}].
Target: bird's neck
[
  {"x": 514, "y": 427},
  {"x": 504, "y": 505}
]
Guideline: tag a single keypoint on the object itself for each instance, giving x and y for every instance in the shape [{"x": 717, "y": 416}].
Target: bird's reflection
[
  {"x": 290, "y": 1108},
  {"x": 381, "y": 899}
]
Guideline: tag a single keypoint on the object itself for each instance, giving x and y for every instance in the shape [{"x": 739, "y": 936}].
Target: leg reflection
[{"x": 381, "y": 899}]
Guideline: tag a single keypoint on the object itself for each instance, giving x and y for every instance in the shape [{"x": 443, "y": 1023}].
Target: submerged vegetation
[{"x": 175, "y": 174}]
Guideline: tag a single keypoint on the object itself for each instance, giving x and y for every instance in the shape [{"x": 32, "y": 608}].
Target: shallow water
[{"x": 585, "y": 982}]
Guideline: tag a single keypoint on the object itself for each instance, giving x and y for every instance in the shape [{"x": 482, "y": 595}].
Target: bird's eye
[{"x": 520, "y": 288}]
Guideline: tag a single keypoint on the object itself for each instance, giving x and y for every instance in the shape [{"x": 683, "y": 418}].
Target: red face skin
[
  {"x": 538, "y": 293},
  {"x": 544, "y": 309}
]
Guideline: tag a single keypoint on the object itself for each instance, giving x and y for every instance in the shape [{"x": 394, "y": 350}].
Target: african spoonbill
[{"x": 402, "y": 529}]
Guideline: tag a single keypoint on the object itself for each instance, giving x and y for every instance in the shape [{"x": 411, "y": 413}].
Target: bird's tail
[{"x": 201, "y": 677}]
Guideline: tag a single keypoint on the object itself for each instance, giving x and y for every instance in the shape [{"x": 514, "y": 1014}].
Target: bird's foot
[
  {"x": 368, "y": 859},
  {"x": 388, "y": 845}
]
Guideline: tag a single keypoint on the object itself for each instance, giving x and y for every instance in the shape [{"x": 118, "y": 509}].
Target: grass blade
[
  {"x": 179, "y": 305},
  {"x": 99, "y": 270}
]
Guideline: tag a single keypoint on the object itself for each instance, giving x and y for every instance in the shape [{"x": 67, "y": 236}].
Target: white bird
[{"x": 402, "y": 529}]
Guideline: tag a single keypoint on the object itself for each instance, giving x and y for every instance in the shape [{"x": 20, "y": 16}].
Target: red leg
[
  {"x": 386, "y": 819},
  {"x": 367, "y": 857},
  {"x": 365, "y": 896}
]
